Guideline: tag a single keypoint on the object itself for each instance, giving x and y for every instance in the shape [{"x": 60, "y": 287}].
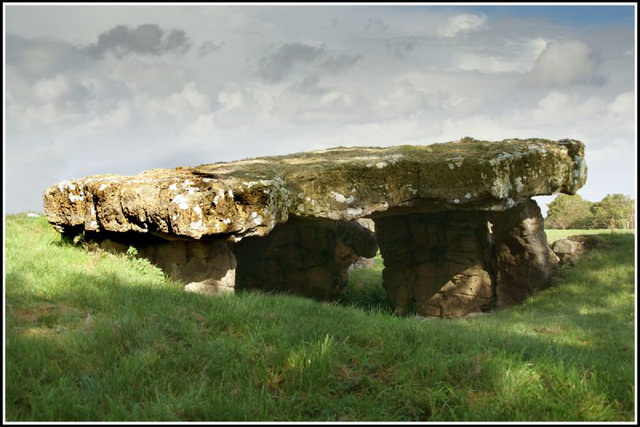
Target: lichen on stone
[{"x": 343, "y": 183}]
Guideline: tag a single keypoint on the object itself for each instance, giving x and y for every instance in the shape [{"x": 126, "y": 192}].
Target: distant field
[
  {"x": 96, "y": 337},
  {"x": 553, "y": 235}
]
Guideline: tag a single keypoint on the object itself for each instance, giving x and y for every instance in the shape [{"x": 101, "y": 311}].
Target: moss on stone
[{"x": 338, "y": 183}]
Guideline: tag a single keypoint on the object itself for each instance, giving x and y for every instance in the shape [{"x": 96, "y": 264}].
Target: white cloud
[
  {"x": 202, "y": 129},
  {"x": 151, "y": 76},
  {"x": 308, "y": 101},
  {"x": 463, "y": 23},
  {"x": 244, "y": 106},
  {"x": 538, "y": 45},
  {"x": 405, "y": 99},
  {"x": 121, "y": 116},
  {"x": 178, "y": 104},
  {"x": 558, "y": 107},
  {"x": 564, "y": 63},
  {"x": 623, "y": 106},
  {"x": 490, "y": 64},
  {"x": 51, "y": 89},
  {"x": 53, "y": 100}
]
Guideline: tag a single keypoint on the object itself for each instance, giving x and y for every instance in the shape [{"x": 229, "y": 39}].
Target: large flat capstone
[{"x": 447, "y": 192}]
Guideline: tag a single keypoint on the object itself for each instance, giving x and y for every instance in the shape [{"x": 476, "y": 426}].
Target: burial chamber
[{"x": 454, "y": 222}]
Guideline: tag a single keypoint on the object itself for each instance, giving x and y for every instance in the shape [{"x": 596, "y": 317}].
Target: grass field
[
  {"x": 553, "y": 235},
  {"x": 98, "y": 337}
]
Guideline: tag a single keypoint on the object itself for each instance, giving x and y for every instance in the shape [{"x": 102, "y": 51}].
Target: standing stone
[
  {"x": 304, "y": 257},
  {"x": 204, "y": 266},
  {"x": 522, "y": 255},
  {"x": 436, "y": 263}
]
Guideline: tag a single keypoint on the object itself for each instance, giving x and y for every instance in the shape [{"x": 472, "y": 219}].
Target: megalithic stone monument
[{"x": 454, "y": 222}]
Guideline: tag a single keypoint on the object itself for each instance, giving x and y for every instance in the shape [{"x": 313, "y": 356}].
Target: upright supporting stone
[
  {"x": 204, "y": 266},
  {"x": 304, "y": 257},
  {"x": 437, "y": 264},
  {"x": 523, "y": 256}
]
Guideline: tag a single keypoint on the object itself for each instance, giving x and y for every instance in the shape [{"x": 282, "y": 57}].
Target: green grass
[
  {"x": 98, "y": 337},
  {"x": 554, "y": 234}
]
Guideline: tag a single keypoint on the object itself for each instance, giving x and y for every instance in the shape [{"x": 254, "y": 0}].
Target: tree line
[{"x": 613, "y": 211}]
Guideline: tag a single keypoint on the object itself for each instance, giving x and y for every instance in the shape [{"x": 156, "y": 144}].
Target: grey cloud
[
  {"x": 279, "y": 65},
  {"x": 209, "y": 47},
  {"x": 310, "y": 85},
  {"x": 147, "y": 39},
  {"x": 376, "y": 25},
  {"x": 340, "y": 63},
  {"x": 36, "y": 58},
  {"x": 401, "y": 48}
]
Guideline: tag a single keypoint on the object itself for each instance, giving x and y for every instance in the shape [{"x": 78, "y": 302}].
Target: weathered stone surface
[
  {"x": 436, "y": 263},
  {"x": 522, "y": 258},
  {"x": 364, "y": 262},
  {"x": 570, "y": 249},
  {"x": 250, "y": 197},
  {"x": 278, "y": 223},
  {"x": 304, "y": 257},
  {"x": 205, "y": 266},
  {"x": 453, "y": 263}
]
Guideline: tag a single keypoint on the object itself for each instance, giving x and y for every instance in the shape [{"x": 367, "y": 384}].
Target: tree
[
  {"x": 618, "y": 207},
  {"x": 569, "y": 212}
]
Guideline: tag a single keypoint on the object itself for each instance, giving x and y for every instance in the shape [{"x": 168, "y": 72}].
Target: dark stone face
[
  {"x": 450, "y": 264},
  {"x": 436, "y": 264},
  {"x": 304, "y": 257},
  {"x": 523, "y": 257}
]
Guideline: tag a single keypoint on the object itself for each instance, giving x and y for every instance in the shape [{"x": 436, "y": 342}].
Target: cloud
[
  {"x": 120, "y": 117},
  {"x": 623, "y": 105},
  {"x": 277, "y": 66},
  {"x": 208, "y": 47},
  {"x": 51, "y": 100},
  {"x": 401, "y": 48},
  {"x": 59, "y": 89},
  {"x": 146, "y": 39},
  {"x": 564, "y": 63},
  {"x": 376, "y": 25},
  {"x": 490, "y": 64},
  {"x": 462, "y": 23},
  {"x": 186, "y": 103},
  {"x": 340, "y": 63},
  {"x": 36, "y": 58},
  {"x": 308, "y": 102},
  {"x": 556, "y": 110},
  {"x": 405, "y": 99},
  {"x": 147, "y": 75}
]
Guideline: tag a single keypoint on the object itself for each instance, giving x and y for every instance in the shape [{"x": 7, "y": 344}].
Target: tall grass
[{"x": 98, "y": 337}]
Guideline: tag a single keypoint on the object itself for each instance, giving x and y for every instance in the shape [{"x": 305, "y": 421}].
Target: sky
[{"x": 96, "y": 89}]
